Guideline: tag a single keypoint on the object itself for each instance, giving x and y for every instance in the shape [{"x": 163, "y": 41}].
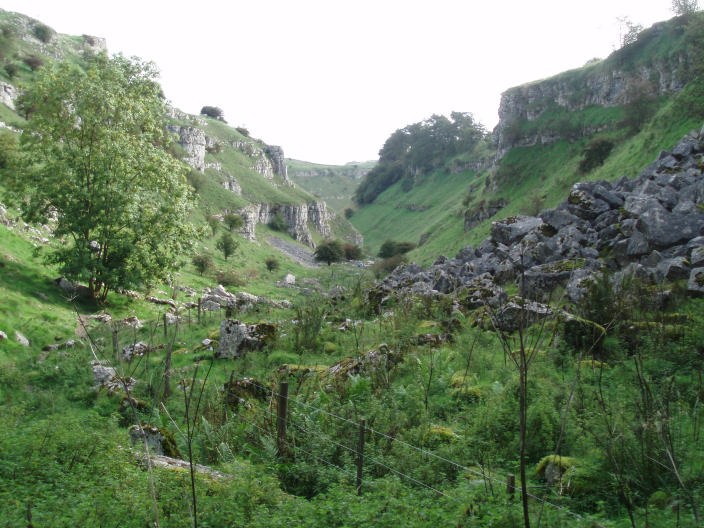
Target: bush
[
  {"x": 272, "y": 264},
  {"x": 213, "y": 111},
  {"x": 11, "y": 69},
  {"x": 391, "y": 248},
  {"x": 277, "y": 222},
  {"x": 196, "y": 179},
  {"x": 202, "y": 263},
  {"x": 352, "y": 252},
  {"x": 349, "y": 212},
  {"x": 383, "y": 267},
  {"x": 227, "y": 244},
  {"x": 233, "y": 221},
  {"x": 329, "y": 251},
  {"x": 43, "y": 33},
  {"x": 243, "y": 131},
  {"x": 213, "y": 223},
  {"x": 595, "y": 154},
  {"x": 34, "y": 62},
  {"x": 229, "y": 278}
]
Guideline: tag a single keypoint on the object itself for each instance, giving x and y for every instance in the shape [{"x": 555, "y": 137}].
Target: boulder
[
  {"x": 695, "y": 284},
  {"x": 481, "y": 291},
  {"x": 237, "y": 337},
  {"x": 514, "y": 228},
  {"x": 672, "y": 269},
  {"x": 160, "y": 441},
  {"x": 134, "y": 350},
  {"x": 21, "y": 339},
  {"x": 517, "y": 312}
]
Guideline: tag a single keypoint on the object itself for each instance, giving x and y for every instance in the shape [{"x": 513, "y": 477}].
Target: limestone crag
[
  {"x": 650, "y": 227},
  {"x": 192, "y": 140},
  {"x": 605, "y": 83},
  {"x": 278, "y": 162},
  {"x": 296, "y": 217},
  {"x": 8, "y": 94},
  {"x": 268, "y": 160},
  {"x": 175, "y": 113}
]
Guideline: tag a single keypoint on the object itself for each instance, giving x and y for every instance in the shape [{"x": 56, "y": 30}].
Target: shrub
[
  {"x": 243, "y": 131},
  {"x": 233, "y": 221},
  {"x": 213, "y": 223},
  {"x": 227, "y": 244},
  {"x": 43, "y": 33},
  {"x": 329, "y": 251},
  {"x": 349, "y": 212},
  {"x": 383, "y": 267},
  {"x": 202, "y": 263},
  {"x": 352, "y": 252},
  {"x": 213, "y": 111},
  {"x": 595, "y": 154},
  {"x": 229, "y": 278},
  {"x": 11, "y": 69},
  {"x": 277, "y": 222},
  {"x": 34, "y": 62},
  {"x": 272, "y": 264},
  {"x": 391, "y": 248},
  {"x": 196, "y": 179}
]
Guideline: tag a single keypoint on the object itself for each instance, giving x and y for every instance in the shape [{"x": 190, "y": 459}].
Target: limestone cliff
[
  {"x": 297, "y": 218},
  {"x": 627, "y": 73},
  {"x": 192, "y": 140}
]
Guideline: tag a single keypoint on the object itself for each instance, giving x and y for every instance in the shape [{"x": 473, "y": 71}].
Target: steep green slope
[{"x": 546, "y": 130}]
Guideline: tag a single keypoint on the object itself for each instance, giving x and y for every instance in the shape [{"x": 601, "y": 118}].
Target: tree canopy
[
  {"x": 418, "y": 149},
  {"x": 92, "y": 155},
  {"x": 329, "y": 251}
]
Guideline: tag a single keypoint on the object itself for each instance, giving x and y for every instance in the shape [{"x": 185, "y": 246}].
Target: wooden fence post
[
  {"x": 281, "y": 404},
  {"x": 511, "y": 486},
  {"x": 199, "y": 301},
  {"x": 167, "y": 372},
  {"x": 166, "y": 330},
  {"x": 360, "y": 455},
  {"x": 115, "y": 346}
]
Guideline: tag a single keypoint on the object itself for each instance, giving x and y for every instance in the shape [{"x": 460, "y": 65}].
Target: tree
[
  {"x": 349, "y": 213},
  {"x": 202, "y": 263},
  {"x": 213, "y": 223},
  {"x": 628, "y": 31},
  {"x": 272, "y": 264},
  {"x": 233, "y": 221},
  {"x": 93, "y": 153},
  {"x": 685, "y": 7},
  {"x": 329, "y": 251},
  {"x": 352, "y": 252},
  {"x": 213, "y": 111},
  {"x": 227, "y": 244}
]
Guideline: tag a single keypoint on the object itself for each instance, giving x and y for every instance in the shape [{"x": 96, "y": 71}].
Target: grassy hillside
[
  {"x": 538, "y": 176},
  {"x": 335, "y": 184}
]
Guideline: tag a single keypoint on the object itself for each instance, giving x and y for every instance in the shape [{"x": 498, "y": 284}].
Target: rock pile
[{"x": 649, "y": 227}]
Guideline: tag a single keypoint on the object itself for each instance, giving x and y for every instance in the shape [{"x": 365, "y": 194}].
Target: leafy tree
[
  {"x": 272, "y": 264},
  {"x": 418, "y": 149},
  {"x": 93, "y": 152},
  {"x": 202, "y": 263},
  {"x": 233, "y": 221},
  {"x": 392, "y": 248},
  {"x": 196, "y": 179},
  {"x": 213, "y": 111},
  {"x": 329, "y": 251},
  {"x": 629, "y": 31},
  {"x": 685, "y": 7},
  {"x": 227, "y": 244},
  {"x": 352, "y": 252},
  {"x": 349, "y": 212},
  {"x": 8, "y": 149},
  {"x": 213, "y": 223}
]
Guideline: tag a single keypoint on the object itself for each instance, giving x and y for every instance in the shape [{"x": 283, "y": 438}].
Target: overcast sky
[{"x": 330, "y": 80}]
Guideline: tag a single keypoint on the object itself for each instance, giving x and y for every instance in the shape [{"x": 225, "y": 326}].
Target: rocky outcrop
[
  {"x": 278, "y": 162},
  {"x": 192, "y": 140},
  {"x": 296, "y": 217},
  {"x": 614, "y": 81},
  {"x": 8, "y": 94},
  {"x": 650, "y": 228}
]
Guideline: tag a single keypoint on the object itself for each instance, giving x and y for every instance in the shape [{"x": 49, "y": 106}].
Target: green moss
[{"x": 563, "y": 462}]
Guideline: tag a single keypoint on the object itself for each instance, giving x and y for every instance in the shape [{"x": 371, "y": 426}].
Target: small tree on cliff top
[{"x": 93, "y": 153}]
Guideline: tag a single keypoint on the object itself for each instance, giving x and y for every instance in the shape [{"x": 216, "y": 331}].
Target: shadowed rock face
[{"x": 651, "y": 226}]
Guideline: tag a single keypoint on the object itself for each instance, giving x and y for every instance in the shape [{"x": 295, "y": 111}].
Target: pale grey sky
[{"x": 330, "y": 80}]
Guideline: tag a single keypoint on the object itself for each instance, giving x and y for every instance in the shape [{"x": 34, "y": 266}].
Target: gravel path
[{"x": 300, "y": 254}]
